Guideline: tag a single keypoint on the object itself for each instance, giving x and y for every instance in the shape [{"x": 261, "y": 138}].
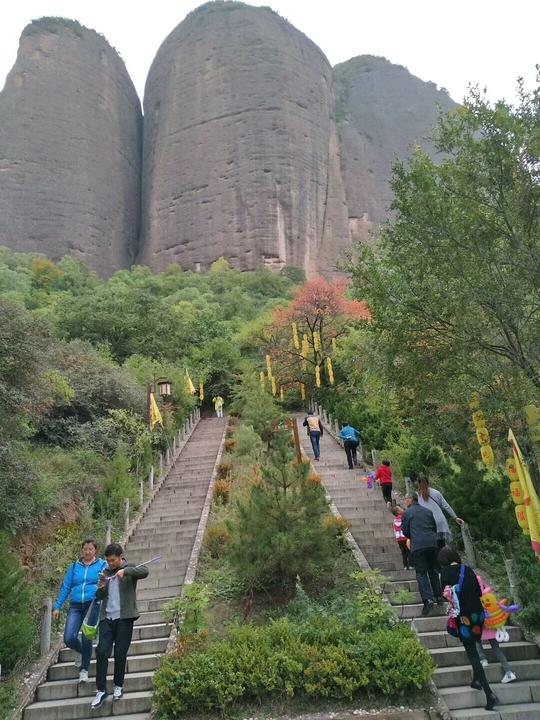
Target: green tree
[
  {"x": 454, "y": 283},
  {"x": 16, "y": 628},
  {"x": 279, "y": 532}
]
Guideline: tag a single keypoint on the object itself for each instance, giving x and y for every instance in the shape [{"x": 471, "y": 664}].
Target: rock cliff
[
  {"x": 70, "y": 148},
  {"x": 240, "y": 150},
  {"x": 381, "y": 111}
]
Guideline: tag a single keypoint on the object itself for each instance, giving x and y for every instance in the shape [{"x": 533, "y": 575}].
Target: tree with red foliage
[{"x": 322, "y": 313}]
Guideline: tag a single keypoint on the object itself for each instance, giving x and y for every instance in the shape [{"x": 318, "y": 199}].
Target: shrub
[
  {"x": 216, "y": 538},
  {"x": 223, "y": 470},
  {"x": 16, "y": 626},
  {"x": 229, "y": 445},
  {"x": 339, "y": 526},
  {"x": 187, "y": 613},
  {"x": 222, "y": 491},
  {"x": 322, "y": 657}
]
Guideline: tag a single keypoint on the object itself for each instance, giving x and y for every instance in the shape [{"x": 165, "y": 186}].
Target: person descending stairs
[
  {"x": 168, "y": 529},
  {"x": 371, "y": 527}
]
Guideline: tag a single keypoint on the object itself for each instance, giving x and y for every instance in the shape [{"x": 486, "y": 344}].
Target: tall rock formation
[
  {"x": 381, "y": 110},
  {"x": 70, "y": 148},
  {"x": 240, "y": 150}
]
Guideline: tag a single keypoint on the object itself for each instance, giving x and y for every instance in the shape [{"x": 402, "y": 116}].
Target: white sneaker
[
  {"x": 484, "y": 662},
  {"x": 118, "y": 692},
  {"x": 83, "y": 676},
  {"x": 508, "y": 677},
  {"x": 98, "y": 701}
]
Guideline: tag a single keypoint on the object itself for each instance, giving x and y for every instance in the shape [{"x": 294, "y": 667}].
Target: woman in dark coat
[{"x": 470, "y": 620}]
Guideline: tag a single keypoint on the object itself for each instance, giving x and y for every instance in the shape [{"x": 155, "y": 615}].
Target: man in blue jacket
[
  {"x": 80, "y": 585},
  {"x": 351, "y": 440}
]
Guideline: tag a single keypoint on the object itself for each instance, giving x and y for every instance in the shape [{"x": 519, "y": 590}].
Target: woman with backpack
[
  {"x": 79, "y": 586},
  {"x": 434, "y": 500},
  {"x": 466, "y": 615}
]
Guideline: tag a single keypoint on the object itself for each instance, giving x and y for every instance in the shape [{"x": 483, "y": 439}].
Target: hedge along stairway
[
  {"x": 168, "y": 528},
  {"x": 371, "y": 527}
]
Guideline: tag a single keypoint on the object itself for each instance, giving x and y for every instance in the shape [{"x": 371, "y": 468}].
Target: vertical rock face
[
  {"x": 70, "y": 148},
  {"x": 240, "y": 152},
  {"x": 381, "y": 110}
]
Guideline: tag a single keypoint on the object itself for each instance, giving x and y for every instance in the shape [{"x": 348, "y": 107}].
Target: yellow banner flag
[
  {"x": 305, "y": 352},
  {"x": 296, "y": 343},
  {"x": 201, "y": 392},
  {"x": 273, "y": 381},
  {"x": 262, "y": 380},
  {"x": 269, "y": 366},
  {"x": 317, "y": 376},
  {"x": 302, "y": 391},
  {"x": 531, "y": 504},
  {"x": 155, "y": 415},
  {"x": 316, "y": 340},
  {"x": 329, "y": 371},
  {"x": 188, "y": 385},
  {"x": 281, "y": 395}
]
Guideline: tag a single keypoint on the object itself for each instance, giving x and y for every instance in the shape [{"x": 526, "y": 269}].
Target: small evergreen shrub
[
  {"x": 322, "y": 657},
  {"x": 222, "y": 491}
]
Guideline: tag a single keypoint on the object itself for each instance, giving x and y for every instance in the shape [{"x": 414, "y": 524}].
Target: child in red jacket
[{"x": 384, "y": 478}]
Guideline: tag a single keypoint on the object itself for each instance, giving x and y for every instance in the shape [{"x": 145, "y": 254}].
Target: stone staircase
[
  {"x": 168, "y": 528},
  {"x": 371, "y": 527}
]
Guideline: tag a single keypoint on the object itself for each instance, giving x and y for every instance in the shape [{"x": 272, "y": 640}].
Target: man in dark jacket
[
  {"x": 418, "y": 524},
  {"x": 117, "y": 590}
]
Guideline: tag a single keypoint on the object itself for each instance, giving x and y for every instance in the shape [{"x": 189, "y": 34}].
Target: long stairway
[
  {"x": 371, "y": 527},
  {"x": 168, "y": 528}
]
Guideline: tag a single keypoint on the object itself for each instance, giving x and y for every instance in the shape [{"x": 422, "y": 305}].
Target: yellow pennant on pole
[
  {"x": 531, "y": 504},
  {"x": 281, "y": 395},
  {"x": 188, "y": 385},
  {"x": 155, "y": 415},
  {"x": 262, "y": 380},
  {"x": 273, "y": 381},
  {"x": 296, "y": 343},
  {"x": 201, "y": 392},
  {"x": 329, "y": 371},
  {"x": 305, "y": 352},
  {"x": 316, "y": 340},
  {"x": 302, "y": 391},
  {"x": 317, "y": 376},
  {"x": 269, "y": 366}
]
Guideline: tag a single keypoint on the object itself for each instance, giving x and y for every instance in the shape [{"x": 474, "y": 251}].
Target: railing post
[
  {"x": 174, "y": 445},
  {"x": 141, "y": 492},
  {"x": 126, "y": 514},
  {"x": 374, "y": 457},
  {"x": 468, "y": 545},
  {"x": 186, "y": 429},
  {"x": 46, "y": 625},
  {"x": 336, "y": 427},
  {"x": 167, "y": 458},
  {"x": 151, "y": 478},
  {"x": 160, "y": 465},
  {"x": 512, "y": 579},
  {"x": 408, "y": 485},
  {"x": 108, "y": 533}
]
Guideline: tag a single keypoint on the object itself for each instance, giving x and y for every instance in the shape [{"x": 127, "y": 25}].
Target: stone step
[
  {"x": 528, "y": 711},
  {"x": 153, "y": 604},
  {"x": 135, "y": 664},
  {"x": 149, "y": 632},
  {"x": 462, "y": 674},
  {"x": 64, "y": 689},
  {"x": 138, "y": 647},
  {"x": 430, "y": 624},
  {"x": 396, "y": 586},
  {"x": 75, "y": 708},
  {"x": 441, "y": 639},
  {"x": 449, "y": 657},
  {"x": 157, "y": 593},
  {"x": 149, "y": 618},
  {"x": 523, "y": 691},
  {"x": 413, "y": 598}
]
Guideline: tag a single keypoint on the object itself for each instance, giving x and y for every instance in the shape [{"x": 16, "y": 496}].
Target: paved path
[
  {"x": 371, "y": 527},
  {"x": 167, "y": 529}
]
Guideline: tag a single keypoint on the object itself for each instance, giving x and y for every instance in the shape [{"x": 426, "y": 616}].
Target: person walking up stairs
[
  {"x": 371, "y": 527},
  {"x": 168, "y": 529}
]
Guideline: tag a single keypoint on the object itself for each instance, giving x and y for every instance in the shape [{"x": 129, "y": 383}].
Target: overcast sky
[{"x": 490, "y": 42}]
